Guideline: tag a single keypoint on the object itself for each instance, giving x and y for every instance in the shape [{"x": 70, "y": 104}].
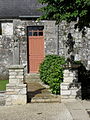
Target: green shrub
[{"x": 51, "y": 72}]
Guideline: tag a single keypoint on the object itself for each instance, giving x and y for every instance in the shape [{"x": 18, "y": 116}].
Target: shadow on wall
[{"x": 84, "y": 78}]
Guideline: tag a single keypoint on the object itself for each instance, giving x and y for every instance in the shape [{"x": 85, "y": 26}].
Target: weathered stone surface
[
  {"x": 16, "y": 99},
  {"x": 16, "y": 90},
  {"x": 7, "y": 29},
  {"x": 64, "y": 87},
  {"x": 2, "y": 98},
  {"x": 68, "y": 79},
  {"x": 13, "y": 45},
  {"x": 70, "y": 88},
  {"x": 65, "y": 92},
  {"x": 16, "y": 74}
]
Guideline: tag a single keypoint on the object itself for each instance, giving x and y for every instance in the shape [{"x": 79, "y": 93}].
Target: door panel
[{"x": 36, "y": 50}]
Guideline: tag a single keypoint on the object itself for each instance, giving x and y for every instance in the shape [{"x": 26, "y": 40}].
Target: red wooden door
[{"x": 36, "y": 48}]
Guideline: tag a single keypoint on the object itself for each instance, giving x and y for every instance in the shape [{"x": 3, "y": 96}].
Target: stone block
[
  {"x": 65, "y": 84},
  {"x": 68, "y": 100},
  {"x": 16, "y": 99},
  {"x": 16, "y": 94},
  {"x": 16, "y": 86},
  {"x": 73, "y": 92},
  {"x": 65, "y": 92},
  {"x": 18, "y": 70},
  {"x": 19, "y": 76},
  {"x": 64, "y": 96},
  {"x": 64, "y": 87},
  {"x": 13, "y": 81},
  {"x": 16, "y": 91},
  {"x": 88, "y": 62},
  {"x": 9, "y": 90},
  {"x": 9, "y": 93},
  {"x": 66, "y": 72},
  {"x": 66, "y": 75},
  {"x": 11, "y": 70},
  {"x": 20, "y": 81},
  {"x": 72, "y": 97},
  {"x": 22, "y": 91},
  {"x": 75, "y": 86},
  {"x": 68, "y": 79},
  {"x": 71, "y": 74},
  {"x": 20, "y": 73},
  {"x": 12, "y": 76},
  {"x": 12, "y": 73}
]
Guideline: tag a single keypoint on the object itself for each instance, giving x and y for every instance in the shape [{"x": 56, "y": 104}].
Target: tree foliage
[{"x": 68, "y": 10}]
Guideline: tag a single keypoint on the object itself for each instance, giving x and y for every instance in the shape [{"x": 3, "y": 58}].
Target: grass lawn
[{"x": 3, "y": 84}]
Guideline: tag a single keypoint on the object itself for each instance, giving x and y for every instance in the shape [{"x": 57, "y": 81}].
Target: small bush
[{"x": 51, "y": 72}]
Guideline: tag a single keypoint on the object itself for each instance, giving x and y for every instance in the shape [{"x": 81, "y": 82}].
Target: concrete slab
[
  {"x": 86, "y": 104},
  {"x": 45, "y": 111},
  {"x": 36, "y": 111},
  {"x": 77, "y": 110}
]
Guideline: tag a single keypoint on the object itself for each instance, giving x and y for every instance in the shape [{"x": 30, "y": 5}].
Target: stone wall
[
  {"x": 50, "y": 33},
  {"x": 13, "y": 42},
  {"x": 6, "y": 49},
  {"x": 81, "y": 46},
  {"x": 20, "y": 38}
]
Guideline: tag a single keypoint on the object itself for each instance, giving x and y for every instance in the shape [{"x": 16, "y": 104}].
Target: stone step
[
  {"x": 44, "y": 98},
  {"x": 32, "y": 77},
  {"x": 47, "y": 100},
  {"x": 38, "y": 93}
]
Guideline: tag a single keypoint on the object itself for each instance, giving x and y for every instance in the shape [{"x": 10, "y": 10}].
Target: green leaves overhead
[{"x": 67, "y": 10}]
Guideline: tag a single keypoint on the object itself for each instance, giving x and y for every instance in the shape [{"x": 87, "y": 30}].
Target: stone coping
[
  {"x": 16, "y": 85},
  {"x": 16, "y": 66},
  {"x": 74, "y": 66}
]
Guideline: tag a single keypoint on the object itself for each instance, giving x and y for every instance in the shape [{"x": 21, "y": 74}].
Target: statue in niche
[{"x": 70, "y": 49}]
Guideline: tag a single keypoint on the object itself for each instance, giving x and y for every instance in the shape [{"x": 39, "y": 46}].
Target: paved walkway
[{"x": 46, "y": 111}]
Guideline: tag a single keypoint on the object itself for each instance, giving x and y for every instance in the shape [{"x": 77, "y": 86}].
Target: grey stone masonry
[
  {"x": 70, "y": 88},
  {"x": 16, "y": 92}
]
